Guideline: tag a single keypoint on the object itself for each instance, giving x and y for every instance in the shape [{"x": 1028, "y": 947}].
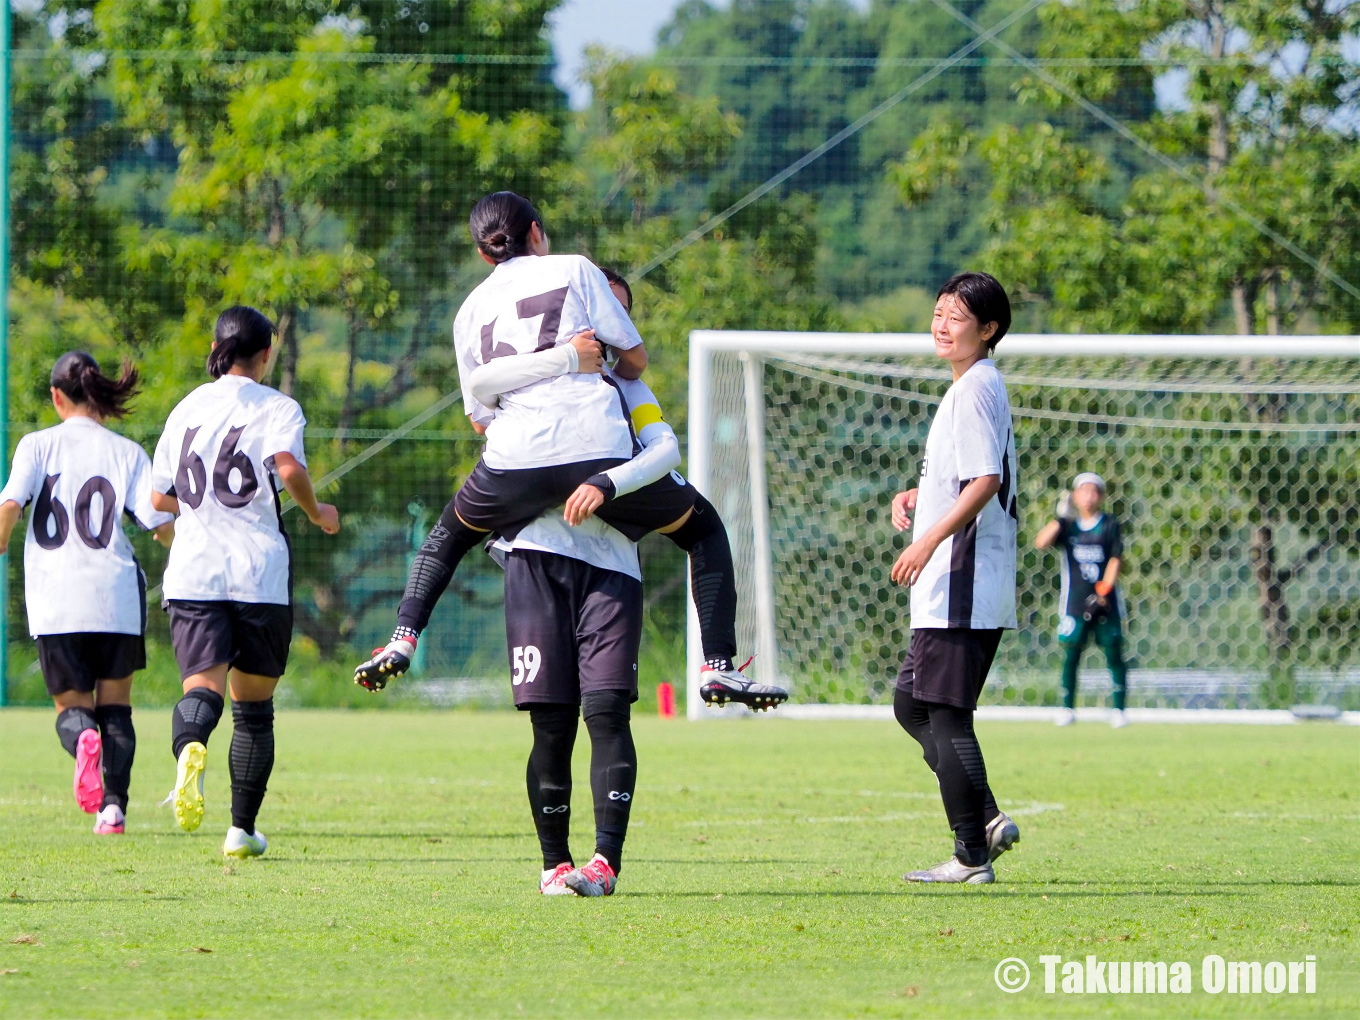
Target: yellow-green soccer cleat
[
  {"x": 187, "y": 796},
  {"x": 242, "y": 844}
]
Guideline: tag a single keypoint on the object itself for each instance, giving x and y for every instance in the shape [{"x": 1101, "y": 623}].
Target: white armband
[
  {"x": 501, "y": 375},
  {"x": 660, "y": 455}
]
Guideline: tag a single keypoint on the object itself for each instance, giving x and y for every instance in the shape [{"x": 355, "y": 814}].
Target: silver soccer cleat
[
  {"x": 953, "y": 871},
  {"x": 718, "y": 687},
  {"x": 1002, "y": 834}
]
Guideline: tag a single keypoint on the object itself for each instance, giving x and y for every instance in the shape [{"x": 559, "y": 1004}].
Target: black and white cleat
[
  {"x": 386, "y": 664},
  {"x": 719, "y": 687}
]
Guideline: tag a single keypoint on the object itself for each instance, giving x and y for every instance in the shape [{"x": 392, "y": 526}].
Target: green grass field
[{"x": 761, "y": 878}]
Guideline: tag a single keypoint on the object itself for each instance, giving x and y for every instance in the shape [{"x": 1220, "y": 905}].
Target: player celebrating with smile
[
  {"x": 85, "y": 592},
  {"x": 228, "y": 584},
  {"x": 961, "y": 566}
]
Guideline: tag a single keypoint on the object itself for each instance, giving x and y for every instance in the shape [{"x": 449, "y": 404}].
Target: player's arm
[
  {"x": 1050, "y": 532},
  {"x": 581, "y": 353},
  {"x": 299, "y": 485},
  {"x": 660, "y": 455},
  {"x": 1111, "y": 577},
  {"x": 10, "y": 512},
  {"x": 165, "y": 503},
  {"x": 969, "y": 504},
  {"x": 631, "y": 363}
]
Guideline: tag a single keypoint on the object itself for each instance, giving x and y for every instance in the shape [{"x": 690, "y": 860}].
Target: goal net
[{"x": 1233, "y": 465}]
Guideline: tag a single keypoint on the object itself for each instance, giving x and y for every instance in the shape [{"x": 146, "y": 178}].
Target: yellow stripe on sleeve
[{"x": 647, "y": 414}]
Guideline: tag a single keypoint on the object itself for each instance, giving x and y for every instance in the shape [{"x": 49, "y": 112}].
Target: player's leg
[
  {"x": 263, "y": 635},
  {"x": 201, "y": 634},
  {"x": 608, "y": 638},
  {"x": 548, "y": 778},
  {"x": 713, "y": 586},
  {"x": 541, "y": 604},
  {"x": 71, "y": 683},
  {"x": 1072, "y": 636},
  {"x": 1110, "y": 637},
  {"x": 118, "y": 741}
]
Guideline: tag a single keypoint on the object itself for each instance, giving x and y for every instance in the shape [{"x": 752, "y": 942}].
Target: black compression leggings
[
  {"x": 951, "y": 749},
  {"x": 432, "y": 569},
  {"x": 712, "y": 579}
]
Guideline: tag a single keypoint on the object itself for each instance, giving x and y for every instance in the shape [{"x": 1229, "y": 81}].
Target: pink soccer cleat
[
  {"x": 596, "y": 879},
  {"x": 88, "y": 782},
  {"x": 551, "y": 883}
]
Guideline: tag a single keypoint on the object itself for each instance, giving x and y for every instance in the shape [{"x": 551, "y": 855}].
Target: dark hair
[
  {"x": 242, "y": 332},
  {"x": 614, "y": 277},
  {"x": 982, "y": 295},
  {"x": 500, "y": 225},
  {"x": 77, "y": 375}
]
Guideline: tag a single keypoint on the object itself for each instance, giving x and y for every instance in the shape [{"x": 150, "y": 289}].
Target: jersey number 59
[{"x": 527, "y": 661}]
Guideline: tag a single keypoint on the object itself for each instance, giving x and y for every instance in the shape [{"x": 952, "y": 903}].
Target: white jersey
[
  {"x": 644, "y": 409},
  {"x": 592, "y": 541},
  {"x": 970, "y": 581},
  {"x": 532, "y": 303},
  {"x": 79, "y": 571},
  {"x": 217, "y": 456}
]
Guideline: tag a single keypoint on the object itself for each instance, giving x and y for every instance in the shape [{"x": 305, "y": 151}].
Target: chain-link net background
[
  {"x": 810, "y": 165},
  {"x": 1234, "y": 480}
]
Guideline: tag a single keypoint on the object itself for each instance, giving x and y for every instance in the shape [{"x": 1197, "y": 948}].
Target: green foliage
[{"x": 401, "y": 874}]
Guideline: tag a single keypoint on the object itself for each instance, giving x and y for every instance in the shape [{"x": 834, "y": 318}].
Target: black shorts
[
  {"x": 570, "y": 629},
  {"x": 948, "y": 666},
  {"x": 250, "y": 636},
  {"x": 73, "y": 662},
  {"x": 505, "y": 502}
]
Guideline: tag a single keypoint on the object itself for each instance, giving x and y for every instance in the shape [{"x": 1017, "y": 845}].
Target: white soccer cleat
[
  {"x": 718, "y": 687},
  {"x": 1002, "y": 834},
  {"x": 242, "y": 844},
  {"x": 953, "y": 871},
  {"x": 597, "y": 878},
  {"x": 551, "y": 883},
  {"x": 1066, "y": 717},
  {"x": 187, "y": 796},
  {"x": 109, "y": 821},
  {"x": 1119, "y": 719}
]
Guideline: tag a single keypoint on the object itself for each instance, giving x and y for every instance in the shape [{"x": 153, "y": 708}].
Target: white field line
[{"x": 1019, "y": 713}]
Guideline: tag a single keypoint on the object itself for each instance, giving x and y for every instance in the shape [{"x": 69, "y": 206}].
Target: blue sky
[{"x": 629, "y": 25}]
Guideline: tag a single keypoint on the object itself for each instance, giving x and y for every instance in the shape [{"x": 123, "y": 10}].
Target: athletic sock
[
  {"x": 549, "y": 779},
  {"x": 963, "y": 780},
  {"x": 120, "y": 747},
  {"x": 1071, "y": 660},
  {"x": 251, "y": 759},
  {"x": 195, "y": 717},
  {"x": 712, "y": 581},
  {"x": 613, "y": 769},
  {"x": 1119, "y": 673},
  {"x": 432, "y": 569},
  {"x": 71, "y": 723}
]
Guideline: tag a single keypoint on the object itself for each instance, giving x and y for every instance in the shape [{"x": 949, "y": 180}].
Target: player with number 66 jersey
[{"x": 227, "y": 449}]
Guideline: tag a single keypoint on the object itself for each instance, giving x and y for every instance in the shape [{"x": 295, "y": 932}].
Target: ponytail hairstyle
[
  {"x": 242, "y": 332},
  {"x": 618, "y": 281},
  {"x": 77, "y": 375},
  {"x": 500, "y": 225}
]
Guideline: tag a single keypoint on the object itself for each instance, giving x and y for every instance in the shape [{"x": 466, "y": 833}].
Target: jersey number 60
[{"x": 51, "y": 523}]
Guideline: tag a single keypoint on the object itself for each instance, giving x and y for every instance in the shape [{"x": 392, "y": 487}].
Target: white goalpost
[{"x": 1234, "y": 465}]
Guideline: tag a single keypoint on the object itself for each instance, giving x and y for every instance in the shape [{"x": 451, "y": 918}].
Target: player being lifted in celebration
[
  {"x": 228, "y": 584},
  {"x": 552, "y": 432},
  {"x": 702, "y": 536},
  {"x": 961, "y": 566},
  {"x": 1092, "y": 552},
  {"x": 85, "y": 592}
]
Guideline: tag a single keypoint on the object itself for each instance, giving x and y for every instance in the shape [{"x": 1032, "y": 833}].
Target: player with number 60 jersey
[
  {"x": 226, "y": 449},
  {"x": 85, "y": 592}
]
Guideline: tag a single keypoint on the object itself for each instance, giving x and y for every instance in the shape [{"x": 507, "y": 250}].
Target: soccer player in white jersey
[
  {"x": 226, "y": 448},
  {"x": 961, "y": 566},
  {"x": 573, "y": 625},
  {"x": 548, "y": 435},
  {"x": 702, "y": 535},
  {"x": 83, "y": 587}
]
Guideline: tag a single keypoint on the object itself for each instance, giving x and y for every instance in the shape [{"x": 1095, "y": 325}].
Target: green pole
[{"x": 4, "y": 334}]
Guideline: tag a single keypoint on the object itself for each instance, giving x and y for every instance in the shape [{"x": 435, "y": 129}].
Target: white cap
[{"x": 1088, "y": 477}]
